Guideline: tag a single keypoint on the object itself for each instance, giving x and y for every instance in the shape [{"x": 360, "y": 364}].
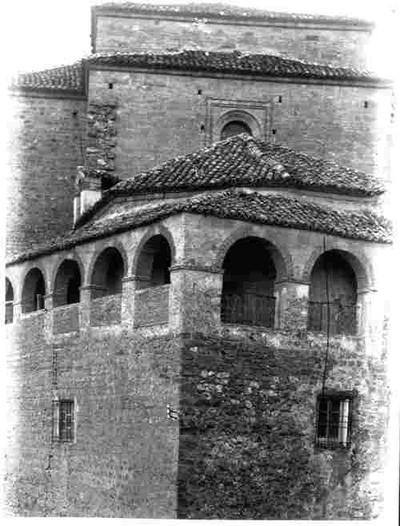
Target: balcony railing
[
  {"x": 248, "y": 309},
  {"x": 342, "y": 318}
]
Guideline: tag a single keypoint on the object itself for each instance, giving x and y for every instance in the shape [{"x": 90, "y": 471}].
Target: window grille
[
  {"x": 63, "y": 420},
  {"x": 334, "y": 415}
]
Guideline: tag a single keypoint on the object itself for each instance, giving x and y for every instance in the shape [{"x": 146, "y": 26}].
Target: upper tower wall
[{"x": 133, "y": 27}]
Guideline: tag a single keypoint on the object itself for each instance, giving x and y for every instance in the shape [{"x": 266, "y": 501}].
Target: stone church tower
[{"x": 195, "y": 293}]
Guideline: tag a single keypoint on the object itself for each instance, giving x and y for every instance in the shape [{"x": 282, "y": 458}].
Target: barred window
[
  {"x": 334, "y": 412},
  {"x": 63, "y": 420}
]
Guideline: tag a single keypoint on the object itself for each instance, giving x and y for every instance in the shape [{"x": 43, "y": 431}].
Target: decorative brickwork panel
[
  {"x": 66, "y": 318},
  {"x": 105, "y": 310},
  {"x": 152, "y": 306}
]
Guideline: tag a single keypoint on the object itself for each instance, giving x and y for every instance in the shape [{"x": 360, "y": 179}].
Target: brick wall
[
  {"x": 333, "y": 46},
  {"x": 160, "y": 116},
  {"x": 46, "y": 147}
]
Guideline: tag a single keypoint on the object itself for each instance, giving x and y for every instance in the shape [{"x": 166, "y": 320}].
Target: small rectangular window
[
  {"x": 334, "y": 413},
  {"x": 64, "y": 420}
]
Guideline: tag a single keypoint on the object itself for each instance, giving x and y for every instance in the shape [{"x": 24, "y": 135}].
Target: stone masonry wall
[
  {"x": 248, "y": 413},
  {"x": 337, "y": 46},
  {"x": 47, "y": 144},
  {"x": 123, "y": 462},
  {"x": 160, "y": 116}
]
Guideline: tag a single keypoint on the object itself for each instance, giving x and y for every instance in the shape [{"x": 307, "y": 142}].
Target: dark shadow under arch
[
  {"x": 333, "y": 295},
  {"x": 9, "y": 306},
  {"x": 67, "y": 284},
  {"x": 249, "y": 283},
  {"x": 154, "y": 262},
  {"x": 108, "y": 271},
  {"x": 33, "y": 291}
]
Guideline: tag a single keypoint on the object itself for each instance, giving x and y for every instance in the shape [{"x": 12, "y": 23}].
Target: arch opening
[
  {"x": 9, "y": 308},
  {"x": 107, "y": 274},
  {"x": 234, "y": 128},
  {"x": 67, "y": 284},
  {"x": 249, "y": 283},
  {"x": 154, "y": 263},
  {"x": 33, "y": 291},
  {"x": 333, "y": 295}
]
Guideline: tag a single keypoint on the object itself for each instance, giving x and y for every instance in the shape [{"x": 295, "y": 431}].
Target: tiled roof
[
  {"x": 242, "y": 160},
  {"x": 256, "y": 65},
  {"x": 270, "y": 209},
  {"x": 68, "y": 79},
  {"x": 71, "y": 78},
  {"x": 226, "y": 11}
]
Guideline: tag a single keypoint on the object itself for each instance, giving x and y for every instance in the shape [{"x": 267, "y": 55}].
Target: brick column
[{"x": 291, "y": 305}]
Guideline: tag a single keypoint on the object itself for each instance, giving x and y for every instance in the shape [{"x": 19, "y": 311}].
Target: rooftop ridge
[
  {"x": 226, "y": 11},
  {"x": 71, "y": 77},
  {"x": 262, "y": 164},
  {"x": 234, "y": 62}
]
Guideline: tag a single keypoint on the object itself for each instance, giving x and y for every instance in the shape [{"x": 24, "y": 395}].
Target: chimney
[{"x": 88, "y": 192}]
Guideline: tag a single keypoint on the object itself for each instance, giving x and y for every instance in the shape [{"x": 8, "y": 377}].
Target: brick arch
[
  {"x": 155, "y": 230},
  {"x": 110, "y": 244},
  {"x": 238, "y": 115},
  {"x": 281, "y": 257},
  {"x": 358, "y": 262},
  {"x": 60, "y": 260}
]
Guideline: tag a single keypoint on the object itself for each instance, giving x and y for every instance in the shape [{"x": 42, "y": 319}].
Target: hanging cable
[{"x": 328, "y": 317}]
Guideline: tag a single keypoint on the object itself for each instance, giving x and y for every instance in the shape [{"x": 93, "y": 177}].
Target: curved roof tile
[
  {"x": 243, "y": 160},
  {"x": 234, "y": 62},
  {"x": 273, "y": 209},
  {"x": 67, "y": 79}
]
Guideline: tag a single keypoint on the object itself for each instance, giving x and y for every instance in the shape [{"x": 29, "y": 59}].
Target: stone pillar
[
  {"x": 85, "y": 305},
  {"x": 129, "y": 285},
  {"x": 48, "y": 316},
  {"x": 195, "y": 301},
  {"x": 291, "y": 309}
]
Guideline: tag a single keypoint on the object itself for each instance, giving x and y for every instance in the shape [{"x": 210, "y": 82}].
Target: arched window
[
  {"x": 108, "y": 273},
  {"x": 234, "y": 128},
  {"x": 154, "y": 262},
  {"x": 33, "y": 291},
  {"x": 67, "y": 284},
  {"x": 248, "y": 283},
  {"x": 9, "y": 311},
  {"x": 333, "y": 295}
]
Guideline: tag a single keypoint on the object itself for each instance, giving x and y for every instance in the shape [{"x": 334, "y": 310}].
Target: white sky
[{"x": 45, "y": 33}]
